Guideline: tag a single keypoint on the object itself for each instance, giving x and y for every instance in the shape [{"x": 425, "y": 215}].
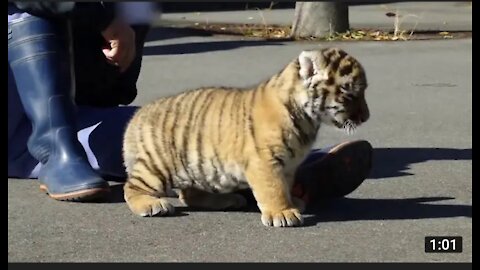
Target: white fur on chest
[
  {"x": 231, "y": 179},
  {"x": 223, "y": 179}
]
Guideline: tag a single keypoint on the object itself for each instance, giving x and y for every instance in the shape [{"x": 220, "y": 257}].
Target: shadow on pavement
[
  {"x": 164, "y": 33},
  {"x": 202, "y": 47},
  {"x": 393, "y": 162},
  {"x": 350, "y": 209}
]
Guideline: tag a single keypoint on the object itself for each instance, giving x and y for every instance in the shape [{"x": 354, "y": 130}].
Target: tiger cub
[{"x": 210, "y": 142}]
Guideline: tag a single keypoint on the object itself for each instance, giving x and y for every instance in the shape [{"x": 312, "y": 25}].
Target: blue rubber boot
[
  {"x": 333, "y": 172},
  {"x": 40, "y": 56}
]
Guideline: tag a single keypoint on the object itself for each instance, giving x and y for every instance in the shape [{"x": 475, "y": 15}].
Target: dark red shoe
[{"x": 333, "y": 172}]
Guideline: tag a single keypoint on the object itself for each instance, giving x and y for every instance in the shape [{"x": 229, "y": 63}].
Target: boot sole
[
  {"x": 91, "y": 194},
  {"x": 350, "y": 164},
  {"x": 337, "y": 174}
]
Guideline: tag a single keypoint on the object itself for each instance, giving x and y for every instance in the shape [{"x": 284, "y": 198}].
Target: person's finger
[
  {"x": 107, "y": 53},
  {"x": 122, "y": 54},
  {"x": 108, "y": 56},
  {"x": 111, "y": 54}
]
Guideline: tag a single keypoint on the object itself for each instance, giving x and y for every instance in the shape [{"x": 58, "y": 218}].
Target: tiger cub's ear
[{"x": 310, "y": 67}]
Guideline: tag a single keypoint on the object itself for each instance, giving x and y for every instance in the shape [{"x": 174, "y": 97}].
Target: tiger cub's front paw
[
  {"x": 285, "y": 218},
  {"x": 148, "y": 206}
]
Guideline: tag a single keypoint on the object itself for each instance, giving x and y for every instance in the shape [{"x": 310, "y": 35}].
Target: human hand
[{"x": 121, "y": 39}]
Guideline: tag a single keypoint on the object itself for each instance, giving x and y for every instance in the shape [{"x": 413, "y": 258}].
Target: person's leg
[
  {"x": 99, "y": 84},
  {"x": 40, "y": 59},
  {"x": 106, "y": 139},
  {"x": 100, "y": 132},
  {"x": 20, "y": 161}
]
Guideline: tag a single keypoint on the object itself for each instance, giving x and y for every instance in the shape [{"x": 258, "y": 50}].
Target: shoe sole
[
  {"x": 348, "y": 164},
  {"x": 90, "y": 194}
]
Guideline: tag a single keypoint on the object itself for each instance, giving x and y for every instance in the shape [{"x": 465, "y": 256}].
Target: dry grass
[{"x": 275, "y": 32}]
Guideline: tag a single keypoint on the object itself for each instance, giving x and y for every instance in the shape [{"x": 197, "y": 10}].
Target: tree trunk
[{"x": 320, "y": 19}]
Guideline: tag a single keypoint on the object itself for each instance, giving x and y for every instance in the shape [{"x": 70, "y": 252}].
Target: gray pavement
[
  {"x": 420, "y": 98},
  {"x": 417, "y": 16}
]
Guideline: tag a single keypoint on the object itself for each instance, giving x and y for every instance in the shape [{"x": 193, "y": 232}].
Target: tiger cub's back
[{"x": 196, "y": 138}]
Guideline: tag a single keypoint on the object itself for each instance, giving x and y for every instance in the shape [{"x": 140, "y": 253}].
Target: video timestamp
[{"x": 443, "y": 244}]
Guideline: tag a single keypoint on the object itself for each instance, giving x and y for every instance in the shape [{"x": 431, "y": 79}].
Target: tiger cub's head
[{"x": 336, "y": 84}]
